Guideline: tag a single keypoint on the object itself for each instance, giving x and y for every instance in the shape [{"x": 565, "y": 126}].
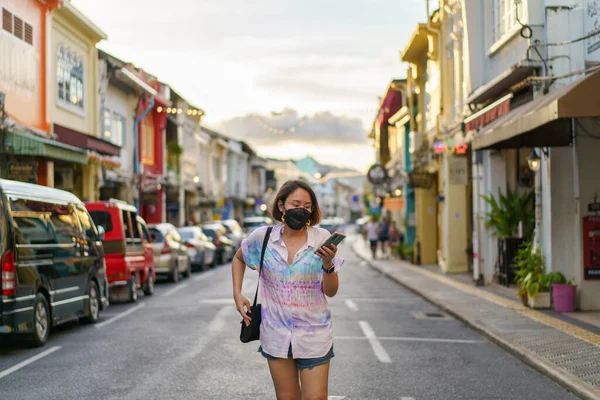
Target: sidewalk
[{"x": 562, "y": 350}]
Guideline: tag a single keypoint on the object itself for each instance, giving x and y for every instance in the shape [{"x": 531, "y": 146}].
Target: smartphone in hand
[{"x": 335, "y": 239}]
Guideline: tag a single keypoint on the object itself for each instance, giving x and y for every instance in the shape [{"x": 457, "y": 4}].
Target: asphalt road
[{"x": 183, "y": 343}]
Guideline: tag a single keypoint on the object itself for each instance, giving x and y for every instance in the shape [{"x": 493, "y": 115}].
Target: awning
[
  {"x": 24, "y": 144},
  {"x": 80, "y": 140},
  {"x": 543, "y": 122}
]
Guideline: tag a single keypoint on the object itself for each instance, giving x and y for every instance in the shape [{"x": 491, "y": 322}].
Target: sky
[{"x": 292, "y": 78}]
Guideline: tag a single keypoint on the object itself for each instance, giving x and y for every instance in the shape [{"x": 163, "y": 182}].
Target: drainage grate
[{"x": 430, "y": 315}]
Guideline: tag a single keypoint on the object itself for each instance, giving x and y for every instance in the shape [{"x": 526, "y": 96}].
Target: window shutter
[
  {"x": 7, "y": 20},
  {"x": 18, "y": 28},
  {"x": 29, "y": 34}
]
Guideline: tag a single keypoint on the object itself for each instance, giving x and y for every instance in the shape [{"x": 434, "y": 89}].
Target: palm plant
[{"x": 508, "y": 210}]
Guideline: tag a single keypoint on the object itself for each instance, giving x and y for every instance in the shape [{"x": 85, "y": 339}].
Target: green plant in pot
[
  {"x": 534, "y": 283},
  {"x": 507, "y": 211}
]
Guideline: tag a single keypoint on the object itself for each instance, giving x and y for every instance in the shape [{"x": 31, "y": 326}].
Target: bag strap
[{"x": 262, "y": 257}]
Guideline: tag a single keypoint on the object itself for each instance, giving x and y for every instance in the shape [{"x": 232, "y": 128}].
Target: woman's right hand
[{"x": 243, "y": 306}]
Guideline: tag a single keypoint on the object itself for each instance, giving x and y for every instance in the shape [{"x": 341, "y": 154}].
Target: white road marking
[
  {"x": 217, "y": 301},
  {"x": 118, "y": 317},
  {"x": 28, "y": 361},
  {"x": 411, "y": 339},
  {"x": 351, "y": 305},
  {"x": 335, "y": 397},
  {"x": 205, "y": 275},
  {"x": 218, "y": 321},
  {"x": 175, "y": 289},
  {"x": 407, "y": 398},
  {"x": 378, "y": 349}
]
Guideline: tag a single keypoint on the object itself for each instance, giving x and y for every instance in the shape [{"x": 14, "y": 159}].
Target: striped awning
[{"x": 24, "y": 144}]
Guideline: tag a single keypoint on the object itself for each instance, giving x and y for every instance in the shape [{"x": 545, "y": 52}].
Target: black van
[{"x": 52, "y": 260}]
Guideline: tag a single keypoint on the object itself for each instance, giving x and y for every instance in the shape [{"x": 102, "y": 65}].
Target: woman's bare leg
[{"x": 285, "y": 378}]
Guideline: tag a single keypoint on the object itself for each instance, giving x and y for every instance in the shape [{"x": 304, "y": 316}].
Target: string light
[
  {"x": 169, "y": 110},
  {"x": 278, "y": 131},
  {"x": 159, "y": 109}
]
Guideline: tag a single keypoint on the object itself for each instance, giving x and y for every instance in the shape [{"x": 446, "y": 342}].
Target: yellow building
[
  {"x": 73, "y": 109},
  {"x": 424, "y": 101}
]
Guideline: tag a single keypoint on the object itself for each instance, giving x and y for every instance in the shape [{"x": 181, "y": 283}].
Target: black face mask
[{"x": 296, "y": 218}]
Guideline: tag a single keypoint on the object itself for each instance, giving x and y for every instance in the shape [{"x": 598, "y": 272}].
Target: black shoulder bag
[{"x": 252, "y": 332}]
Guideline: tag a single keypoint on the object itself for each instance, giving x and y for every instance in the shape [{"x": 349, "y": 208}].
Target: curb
[{"x": 566, "y": 380}]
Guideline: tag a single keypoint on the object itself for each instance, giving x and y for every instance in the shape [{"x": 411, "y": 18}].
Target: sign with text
[
  {"x": 393, "y": 203},
  {"x": 591, "y": 25},
  {"x": 23, "y": 171},
  {"x": 458, "y": 171},
  {"x": 591, "y": 248}
]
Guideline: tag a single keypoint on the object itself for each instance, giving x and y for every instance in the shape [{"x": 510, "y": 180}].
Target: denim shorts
[{"x": 303, "y": 363}]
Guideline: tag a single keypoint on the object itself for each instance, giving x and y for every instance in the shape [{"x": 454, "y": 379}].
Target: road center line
[
  {"x": 410, "y": 339},
  {"x": 351, "y": 305},
  {"x": 28, "y": 361},
  {"x": 218, "y": 321},
  {"x": 121, "y": 315},
  {"x": 175, "y": 289},
  {"x": 378, "y": 349},
  {"x": 217, "y": 301}
]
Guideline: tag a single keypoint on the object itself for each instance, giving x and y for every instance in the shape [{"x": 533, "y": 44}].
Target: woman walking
[{"x": 298, "y": 273}]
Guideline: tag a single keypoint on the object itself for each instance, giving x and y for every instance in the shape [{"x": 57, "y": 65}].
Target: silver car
[
  {"x": 234, "y": 231},
  {"x": 200, "y": 248},
  {"x": 170, "y": 253}
]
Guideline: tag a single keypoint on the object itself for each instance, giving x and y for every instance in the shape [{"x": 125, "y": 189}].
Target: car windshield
[
  {"x": 254, "y": 223},
  {"x": 103, "y": 219},
  {"x": 189, "y": 233},
  {"x": 210, "y": 233},
  {"x": 156, "y": 235}
]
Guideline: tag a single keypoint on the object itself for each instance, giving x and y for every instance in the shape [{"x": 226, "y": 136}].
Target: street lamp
[
  {"x": 398, "y": 192},
  {"x": 534, "y": 161},
  {"x": 318, "y": 175},
  {"x": 263, "y": 207},
  {"x": 196, "y": 179}
]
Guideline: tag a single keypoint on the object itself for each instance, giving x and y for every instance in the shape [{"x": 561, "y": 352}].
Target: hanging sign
[
  {"x": 458, "y": 171},
  {"x": 591, "y": 248}
]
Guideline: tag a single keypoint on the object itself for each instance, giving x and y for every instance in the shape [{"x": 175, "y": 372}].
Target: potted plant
[
  {"x": 564, "y": 294},
  {"x": 508, "y": 213},
  {"x": 534, "y": 284}
]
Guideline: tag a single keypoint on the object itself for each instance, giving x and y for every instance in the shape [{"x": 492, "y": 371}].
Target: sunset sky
[{"x": 311, "y": 68}]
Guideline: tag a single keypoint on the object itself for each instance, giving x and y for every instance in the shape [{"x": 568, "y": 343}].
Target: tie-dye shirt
[{"x": 294, "y": 307}]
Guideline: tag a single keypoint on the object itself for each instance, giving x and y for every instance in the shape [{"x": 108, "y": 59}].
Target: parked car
[
  {"x": 52, "y": 261},
  {"x": 253, "y": 223},
  {"x": 218, "y": 234},
  {"x": 234, "y": 231},
  {"x": 170, "y": 252},
  {"x": 129, "y": 266},
  {"x": 334, "y": 224},
  {"x": 200, "y": 248}
]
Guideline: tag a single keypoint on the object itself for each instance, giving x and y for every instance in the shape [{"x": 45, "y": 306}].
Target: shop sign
[
  {"x": 23, "y": 171},
  {"x": 590, "y": 26},
  {"x": 393, "y": 203},
  {"x": 149, "y": 185},
  {"x": 419, "y": 180},
  {"x": 458, "y": 171},
  {"x": 591, "y": 247}
]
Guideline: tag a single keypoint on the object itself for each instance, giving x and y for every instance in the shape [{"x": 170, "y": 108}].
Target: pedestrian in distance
[
  {"x": 384, "y": 237},
  {"x": 298, "y": 274},
  {"x": 373, "y": 235}
]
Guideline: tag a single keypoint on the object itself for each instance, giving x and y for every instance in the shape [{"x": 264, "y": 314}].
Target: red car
[{"x": 127, "y": 249}]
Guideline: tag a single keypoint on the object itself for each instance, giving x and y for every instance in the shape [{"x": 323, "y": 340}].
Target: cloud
[{"x": 288, "y": 126}]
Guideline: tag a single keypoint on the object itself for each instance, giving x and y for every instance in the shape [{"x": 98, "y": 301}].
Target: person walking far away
[
  {"x": 373, "y": 235},
  {"x": 384, "y": 237},
  {"x": 298, "y": 274}
]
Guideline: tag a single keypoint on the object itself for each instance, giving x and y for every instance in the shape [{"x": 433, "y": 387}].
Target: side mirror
[{"x": 101, "y": 233}]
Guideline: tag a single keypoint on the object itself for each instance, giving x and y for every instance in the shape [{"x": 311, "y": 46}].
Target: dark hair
[{"x": 288, "y": 188}]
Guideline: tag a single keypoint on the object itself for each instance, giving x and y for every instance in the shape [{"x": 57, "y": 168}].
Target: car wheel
[
  {"x": 220, "y": 257},
  {"x": 41, "y": 320},
  {"x": 132, "y": 287},
  {"x": 214, "y": 260},
  {"x": 149, "y": 286},
  {"x": 188, "y": 271},
  {"x": 94, "y": 301},
  {"x": 175, "y": 273}
]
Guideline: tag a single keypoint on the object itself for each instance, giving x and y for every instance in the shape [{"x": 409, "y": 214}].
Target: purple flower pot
[{"x": 564, "y": 297}]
